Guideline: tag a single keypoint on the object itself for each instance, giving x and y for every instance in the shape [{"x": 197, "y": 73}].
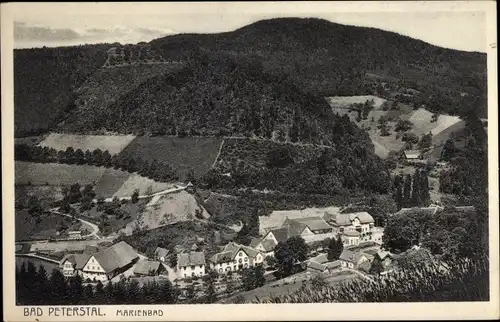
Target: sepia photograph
[{"x": 217, "y": 153}]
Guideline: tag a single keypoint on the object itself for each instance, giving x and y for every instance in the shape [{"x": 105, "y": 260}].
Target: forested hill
[
  {"x": 316, "y": 56},
  {"x": 226, "y": 95},
  {"x": 332, "y": 59}
]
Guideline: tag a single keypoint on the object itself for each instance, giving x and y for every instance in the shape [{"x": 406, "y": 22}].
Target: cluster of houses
[{"x": 312, "y": 224}]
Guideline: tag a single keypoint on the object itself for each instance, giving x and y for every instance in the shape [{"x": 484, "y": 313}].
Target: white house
[
  {"x": 72, "y": 264},
  {"x": 110, "y": 262},
  {"x": 350, "y": 259},
  {"x": 191, "y": 264},
  {"x": 354, "y": 227},
  {"x": 265, "y": 246},
  {"x": 235, "y": 257},
  {"x": 161, "y": 254}
]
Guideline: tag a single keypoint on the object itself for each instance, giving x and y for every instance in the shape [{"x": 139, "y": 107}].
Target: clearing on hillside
[
  {"x": 28, "y": 228},
  {"x": 55, "y": 174},
  {"x": 143, "y": 184},
  {"x": 113, "y": 143},
  {"x": 346, "y": 101},
  {"x": 183, "y": 154},
  {"x": 168, "y": 209}
]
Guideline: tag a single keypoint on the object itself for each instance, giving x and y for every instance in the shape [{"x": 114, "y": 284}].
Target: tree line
[
  {"x": 412, "y": 190},
  {"x": 152, "y": 169}
]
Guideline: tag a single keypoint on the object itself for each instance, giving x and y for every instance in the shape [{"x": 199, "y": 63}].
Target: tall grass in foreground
[{"x": 465, "y": 280}]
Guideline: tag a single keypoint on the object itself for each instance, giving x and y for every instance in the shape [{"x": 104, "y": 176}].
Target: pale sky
[{"x": 59, "y": 25}]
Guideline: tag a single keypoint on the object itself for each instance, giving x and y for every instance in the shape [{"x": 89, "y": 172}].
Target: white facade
[
  {"x": 240, "y": 261},
  {"x": 93, "y": 270},
  {"x": 191, "y": 271},
  {"x": 68, "y": 269}
]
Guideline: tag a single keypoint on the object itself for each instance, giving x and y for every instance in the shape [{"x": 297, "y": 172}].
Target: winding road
[{"x": 95, "y": 228}]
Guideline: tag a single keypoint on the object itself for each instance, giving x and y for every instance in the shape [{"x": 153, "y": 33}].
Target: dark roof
[
  {"x": 345, "y": 219},
  {"x": 223, "y": 257},
  {"x": 145, "y": 267},
  {"x": 314, "y": 223},
  {"x": 161, "y": 252},
  {"x": 268, "y": 245},
  {"x": 91, "y": 249},
  {"x": 255, "y": 241},
  {"x": 281, "y": 234},
  {"x": 351, "y": 233},
  {"x": 350, "y": 256},
  {"x": 116, "y": 256},
  {"x": 333, "y": 264},
  {"x": 192, "y": 258},
  {"x": 78, "y": 260},
  {"x": 316, "y": 266}
]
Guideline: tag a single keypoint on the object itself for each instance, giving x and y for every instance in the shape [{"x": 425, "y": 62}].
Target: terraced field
[
  {"x": 107, "y": 182},
  {"x": 182, "y": 154},
  {"x": 113, "y": 143},
  {"x": 55, "y": 174}
]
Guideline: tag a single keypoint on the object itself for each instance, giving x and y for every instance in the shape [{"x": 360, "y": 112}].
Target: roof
[
  {"x": 255, "y": 242},
  {"x": 350, "y": 256},
  {"x": 333, "y": 264},
  {"x": 412, "y": 154},
  {"x": 351, "y": 233},
  {"x": 78, "y": 260},
  {"x": 116, "y": 256},
  {"x": 316, "y": 266},
  {"x": 277, "y": 217},
  {"x": 223, "y": 257},
  {"x": 346, "y": 219},
  {"x": 145, "y": 267},
  {"x": 383, "y": 254},
  {"x": 281, "y": 234},
  {"x": 314, "y": 223},
  {"x": 91, "y": 249},
  {"x": 161, "y": 252},
  {"x": 321, "y": 258},
  {"x": 268, "y": 245},
  {"x": 192, "y": 258},
  {"x": 179, "y": 248}
]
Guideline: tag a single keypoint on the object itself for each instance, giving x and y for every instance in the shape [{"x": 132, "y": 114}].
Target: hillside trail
[
  {"x": 159, "y": 193},
  {"x": 95, "y": 228}
]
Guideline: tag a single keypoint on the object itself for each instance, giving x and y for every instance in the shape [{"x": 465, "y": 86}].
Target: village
[{"x": 341, "y": 246}]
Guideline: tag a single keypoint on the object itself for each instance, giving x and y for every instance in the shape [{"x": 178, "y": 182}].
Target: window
[
  {"x": 241, "y": 254},
  {"x": 246, "y": 259},
  {"x": 240, "y": 260},
  {"x": 185, "y": 275},
  {"x": 201, "y": 266},
  {"x": 228, "y": 269},
  {"x": 234, "y": 268},
  {"x": 220, "y": 270},
  {"x": 193, "y": 267},
  {"x": 192, "y": 274},
  {"x": 246, "y": 265}
]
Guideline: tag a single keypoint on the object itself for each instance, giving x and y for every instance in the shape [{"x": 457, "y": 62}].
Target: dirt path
[
  {"x": 159, "y": 193},
  {"x": 95, "y": 228}
]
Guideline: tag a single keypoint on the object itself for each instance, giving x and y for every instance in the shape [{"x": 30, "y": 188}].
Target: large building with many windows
[
  {"x": 191, "y": 264},
  {"x": 235, "y": 257}
]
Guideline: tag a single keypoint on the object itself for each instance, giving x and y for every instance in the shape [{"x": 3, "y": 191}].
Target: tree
[
  {"x": 190, "y": 176},
  {"x": 403, "y": 125},
  {"x": 252, "y": 277},
  {"x": 334, "y": 249},
  {"x": 377, "y": 267},
  {"x": 449, "y": 150},
  {"x": 407, "y": 190},
  {"x": 209, "y": 278},
  {"x": 35, "y": 207},
  {"x": 173, "y": 259},
  {"x": 290, "y": 253},
  {"x": 135, "y": 196},
  {"x": 425, "y": 142}
]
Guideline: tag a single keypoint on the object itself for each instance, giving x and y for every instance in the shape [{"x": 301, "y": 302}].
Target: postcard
[{"x": 250, "y": 161}]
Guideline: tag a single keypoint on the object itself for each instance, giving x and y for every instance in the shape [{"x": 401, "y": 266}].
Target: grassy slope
[
  {"x": 27, "y": 228},
  {"x": 181, "y": 153},
  {"x": 113, "y": 143}
]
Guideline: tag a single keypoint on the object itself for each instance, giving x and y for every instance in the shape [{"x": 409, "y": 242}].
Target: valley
[{"x": 254, "y": 163}]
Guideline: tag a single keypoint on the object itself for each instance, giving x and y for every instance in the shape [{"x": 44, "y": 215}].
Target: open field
[
  {"x": 166, "y": 210},
  {"x": 346, "y": 101},
  {"x": 55, "y": 174},
  {"x": 113, "y": 143},
  {"x": 27, "y": 228},
  {"x": 181, "y": 153},
  {"x": 46, "y": 194},
  {"x": 107, "y": 182},
  {"x": 421, "y": 119}
]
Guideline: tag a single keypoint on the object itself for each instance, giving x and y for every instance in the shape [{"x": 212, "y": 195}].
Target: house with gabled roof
[
  {"x": 191, "y": 264},
  {"x": 235, "y": 257},
  {"x": 265, "y": 246},
  {"x": 72, "y": 264},
  {"x": 149, "y": 268},
  {"x": 353, "y": 227},
  {"x": 110, "y": 262},
  {"x": 161, "y": 254},
  {"x": 351, "y": 259}
]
